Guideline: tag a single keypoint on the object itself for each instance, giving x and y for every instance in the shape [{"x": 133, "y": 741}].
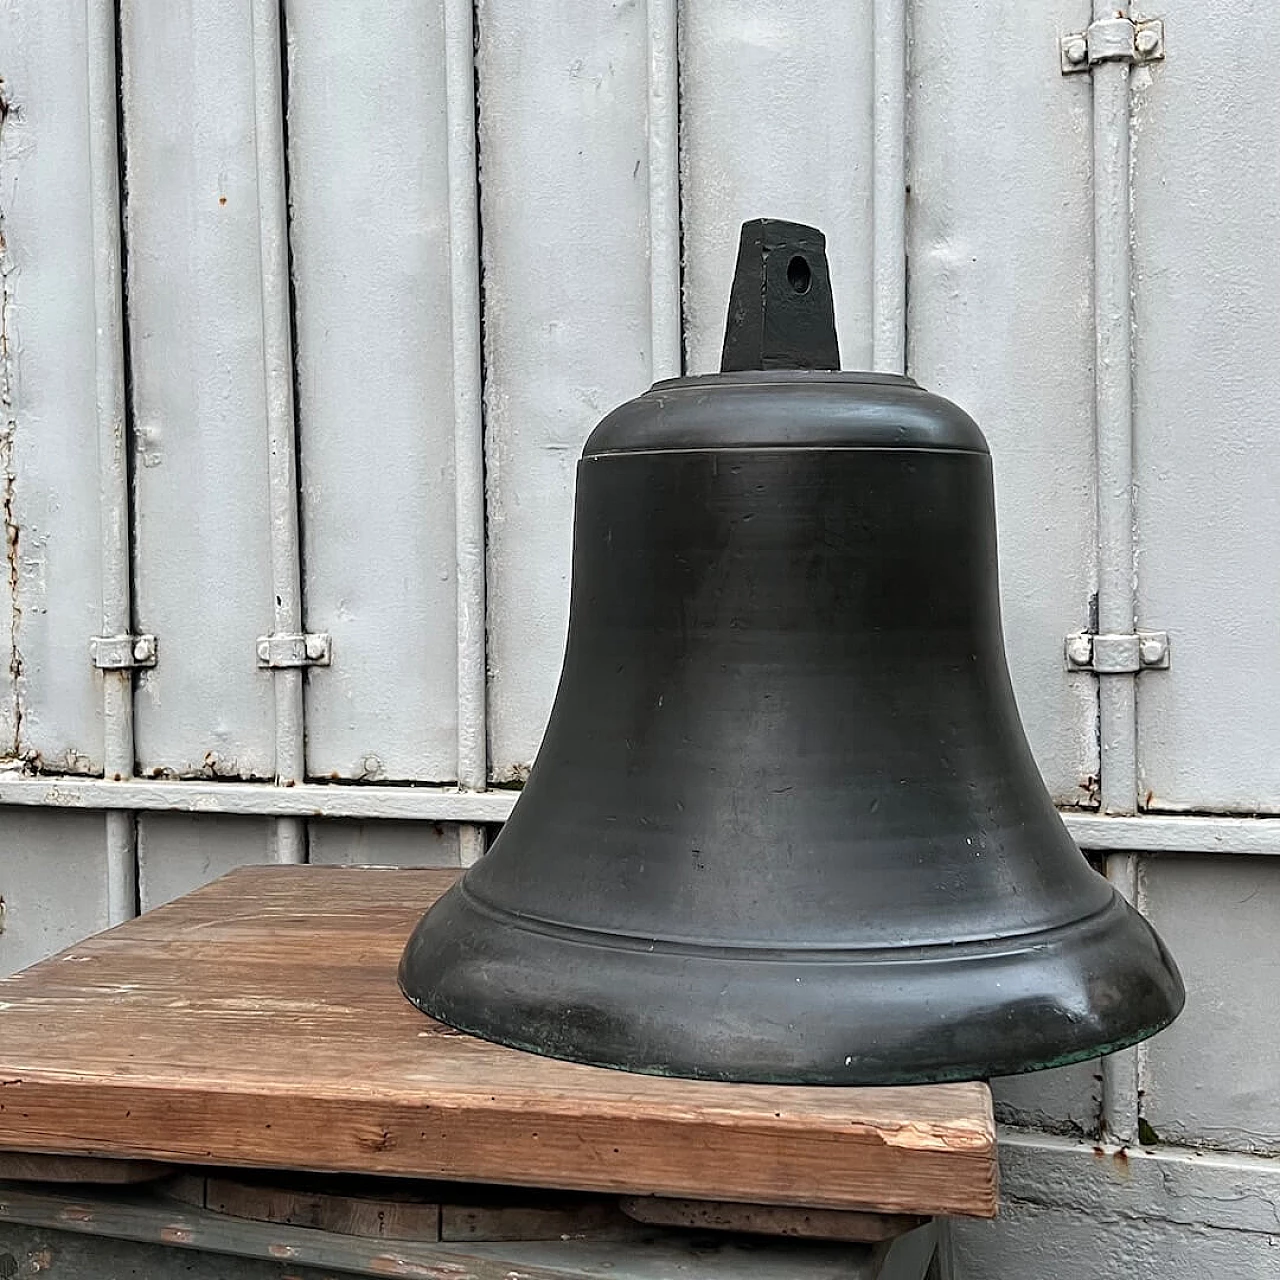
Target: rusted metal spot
[
  {"x": 176, "y": 1235},
  {"x": 282, "y": 1251},
  {"x": 76, "y": 1213}
]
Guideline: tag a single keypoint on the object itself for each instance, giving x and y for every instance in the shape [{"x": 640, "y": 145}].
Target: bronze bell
[{"x": 784, "y": 824}]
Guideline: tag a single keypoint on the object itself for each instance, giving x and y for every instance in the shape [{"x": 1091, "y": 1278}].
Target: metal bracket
[
  {"x": 122, "y": 653},
  {"x": 313, "y": 649},
  {"x": 1118, "y": 655},
  {"x": 1112, "y": 40}
]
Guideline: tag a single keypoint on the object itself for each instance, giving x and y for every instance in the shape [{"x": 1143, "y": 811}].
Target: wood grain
[{"x": 257, "y": 1023}]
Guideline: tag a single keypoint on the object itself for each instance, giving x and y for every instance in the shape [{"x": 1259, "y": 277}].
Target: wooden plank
[
  {"x": 383, "y": 1217},
  {"x": 770, "y": 1219},
  {"x": 257, "y": 1022},
  {"x": 554, "y": 1217},
  {"x": 660, "y": 1257},
  {"x": 19, "y": 1166}
]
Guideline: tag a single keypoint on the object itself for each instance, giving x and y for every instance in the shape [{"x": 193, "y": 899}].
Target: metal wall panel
[
  {"x": 754, "y": 146},
  {"x": 53, "y": 883},
  {"x": 1066, "y": 1100},
  {"x": 1028, "y": 1242},
  {"x": 1211, "y": 1077},
  {"x": 1206, "y": 209},
  {"x": 178, "y": 852},
  {"x": 565, "y": 206},
  {"x": 367, "y": 100},
  {"x": 50, "y": 587},
  {"x": 1000, "y": 235},
  {"x": 383, "y": 844},
  {"x": 202, "y": 562}
]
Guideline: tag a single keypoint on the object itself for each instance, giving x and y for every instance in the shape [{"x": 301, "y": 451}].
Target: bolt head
[
  {"x": 1076, "y": 50},
  {"x": 144, "y": 649},
  {"x": 264, "y": 651},
  {"x": 316, "y": 648},
  {"x": 1079, "y": 650},
  {"x": 1152, "y": 651},
  {"x": 1147, "y": 42}
]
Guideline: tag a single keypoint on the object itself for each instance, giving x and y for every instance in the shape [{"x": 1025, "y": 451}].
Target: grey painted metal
[
  {"x": 53, "y": 882},
  {"x": 1117, "y": 655},
  {"x": 1071, "y": 1208},
  {"x": 1113, "y": 416},
  {"x": 432, "y": 804},
  {"x": 113, "y": 457},
  {"x": 889, "y": 187},
  {"x": 1066, "y": 1100},
  {"x": 993, "y": 209},
  {"x": 277, "y": 369},
  {"x": 50, "y": 578},
  {"x": 1156, "y": 833},
  {"x": 755, "y": 147},
  {"x": 386, "y": 843},
  {"x": 122, "y": 652},
  {"x": 298, "y": 649},
  {"x": 565, "y": 207},
  {"x": 1122, "y": 1072},
  {"x": 1206, "y": 202},
  {"x": 203, "y": 574},
  {"x": 180, "y": 852},
  {"x": 1214, "y": 1190},
  {"x": 1212, "y": 1081},
  {"x": 1147, "y": 833},
  {"x": 666, "y": 338},
  {"x": 370, "y": 147},
  {"x": 1057, "y": 1244},
  {"x": 468, "y": 408},
  {"x": 1113, "y": 37}
]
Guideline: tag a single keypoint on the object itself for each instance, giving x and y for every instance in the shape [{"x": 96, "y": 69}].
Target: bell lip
[{"x": 501, "y": 986}]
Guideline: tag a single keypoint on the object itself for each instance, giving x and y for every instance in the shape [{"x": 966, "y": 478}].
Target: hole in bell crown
[{"x": 784, "y": 824}]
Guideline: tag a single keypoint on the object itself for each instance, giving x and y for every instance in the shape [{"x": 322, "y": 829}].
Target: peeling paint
[{"x": 8, "y": 476}]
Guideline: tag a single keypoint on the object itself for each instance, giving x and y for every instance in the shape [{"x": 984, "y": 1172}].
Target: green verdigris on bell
[{"x": 784, "y": 825}]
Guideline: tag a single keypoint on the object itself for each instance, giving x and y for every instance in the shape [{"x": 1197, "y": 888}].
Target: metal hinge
[
  {"x": 122, "y": 653},
  {"x": 311, "y": 650},
  {"x": 1112, "y": 40},
  {"x": 1117, "y": 655}
]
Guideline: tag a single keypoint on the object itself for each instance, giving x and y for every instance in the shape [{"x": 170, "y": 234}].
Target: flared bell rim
[{"x": 858, "y": 1016}]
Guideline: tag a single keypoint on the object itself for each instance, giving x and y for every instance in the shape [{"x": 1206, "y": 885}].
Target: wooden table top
[{"x": 257, "y": 1023}]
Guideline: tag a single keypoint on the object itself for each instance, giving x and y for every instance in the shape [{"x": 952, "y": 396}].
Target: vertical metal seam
[
  {"x": 277, "y": 357},
  {"x": 461, "y": 106},
  {"x": 1113, "y": 417},
  {"x": 889, "y": 186},
  {"x": 665, "y": 318},
  {"x": 113, "y": 445}
]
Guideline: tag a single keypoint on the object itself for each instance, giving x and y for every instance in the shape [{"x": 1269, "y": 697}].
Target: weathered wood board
[{"x": 257, "y": 1023}]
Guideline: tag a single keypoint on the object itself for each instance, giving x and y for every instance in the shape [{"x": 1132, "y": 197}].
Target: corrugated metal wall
[{"x": 307, "y": 310}]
